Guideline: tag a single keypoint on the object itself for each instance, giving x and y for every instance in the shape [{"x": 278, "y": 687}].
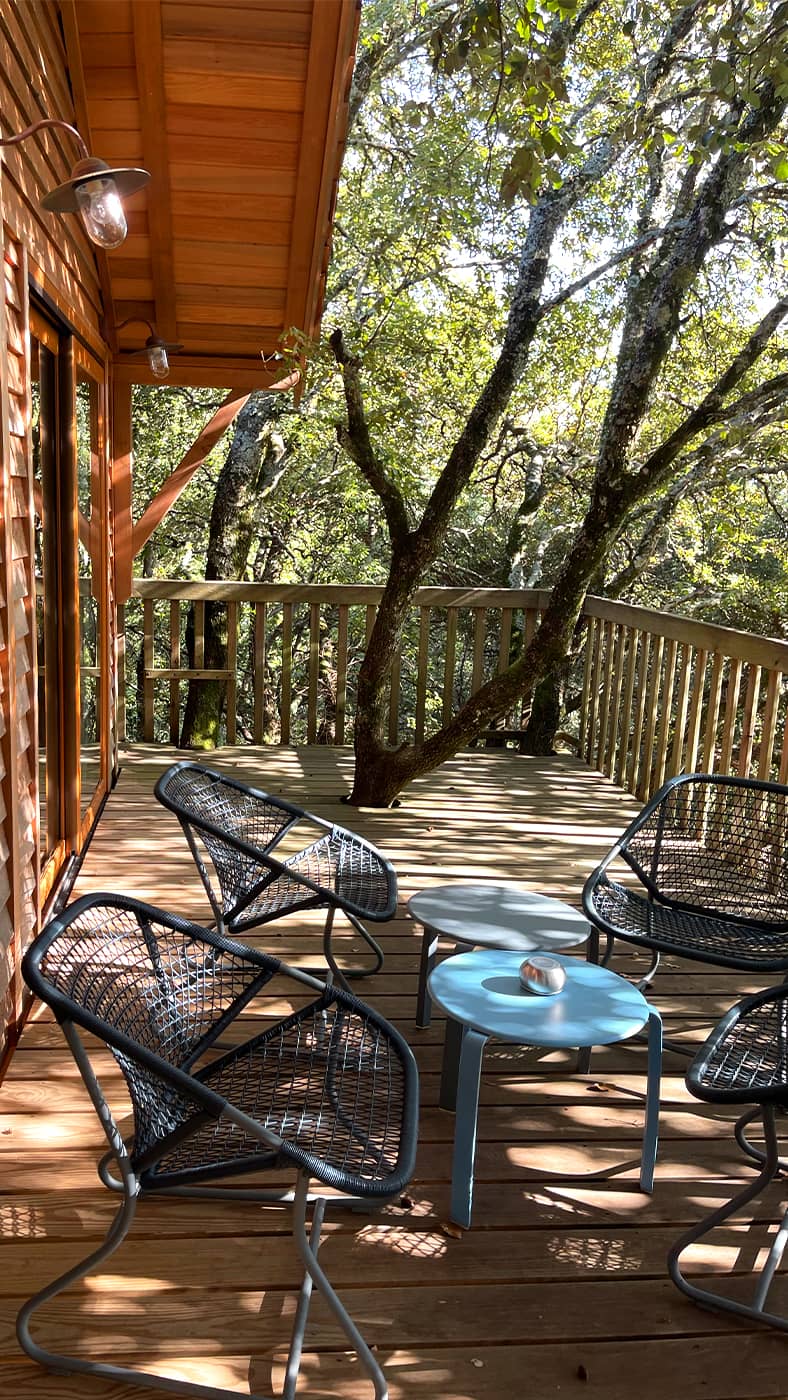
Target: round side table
[
  {"x": 489, "y": 916},
  {"x": 481, "y": 993}
]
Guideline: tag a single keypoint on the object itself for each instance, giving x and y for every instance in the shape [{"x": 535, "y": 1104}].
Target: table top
[
  {"x": 499, "y": 916},
  {"x": 482, "y": 989}
]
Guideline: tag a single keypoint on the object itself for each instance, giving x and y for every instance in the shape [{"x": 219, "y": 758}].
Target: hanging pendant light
[{"x": 155, "y": 350}]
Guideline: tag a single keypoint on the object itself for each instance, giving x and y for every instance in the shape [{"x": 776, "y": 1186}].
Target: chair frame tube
[{"x": 307, "y": 1245}]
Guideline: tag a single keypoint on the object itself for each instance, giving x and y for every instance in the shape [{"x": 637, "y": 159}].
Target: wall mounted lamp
[
  {"x": 94, "y": 189},
  {"x": 155, "y": 350}
]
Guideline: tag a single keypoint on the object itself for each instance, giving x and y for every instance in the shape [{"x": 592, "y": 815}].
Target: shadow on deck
[{"x": 560, "y": 1288}]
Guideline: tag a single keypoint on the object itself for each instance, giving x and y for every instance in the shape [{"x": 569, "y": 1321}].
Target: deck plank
[{"x": 560, "y": 1287}]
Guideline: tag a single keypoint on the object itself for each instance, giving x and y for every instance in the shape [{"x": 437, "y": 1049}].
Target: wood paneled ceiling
[{"x": 238, "y": 109}]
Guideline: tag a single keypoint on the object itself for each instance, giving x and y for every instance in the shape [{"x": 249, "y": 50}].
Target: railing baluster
[
  {"x": 314, "y": 672},
  {"x": 341, "y": 673},
  {"x": 615, "y": 703},
  {"x": 199, "y": 635},
  {"x": 641, "y": 700},
  {"x": 682, "y": 699},
  {"x": 630, "y": 672},
  {"x": 712, "y": 716},
  {"x": 232, "y": 667},
  {"x": 530, "y": 619},
  {"x": 260, "y": 619},
  {"x": 769, "y": 725},
  {"x": 287, "y": 671},
  {"x": 748, "y": 721},
  {"x": 696, "y": 707},
  {"x": 645, "y": 784},
  {"x": 731, "y": 713},
  {"x": 175, "y": 663},
  {"x": 479, "y": 638},
  {"x": 121, "y": 655},
  {"x": 661, "y": 754},
  {"x": 593, "y": 704},
  {"x": 421, "y": 673},
  {"x": 584, "y": 721},
  {"x": 604, "y": 719},
  {"x": 147, "y": 660},
  {"x": 505, "y": 639},
  {"x": 448, "y": 669}
]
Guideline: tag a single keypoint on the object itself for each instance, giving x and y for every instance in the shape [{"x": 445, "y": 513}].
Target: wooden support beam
[
  {"x": 148, "y": 47},
  {"x": 179, "y": 479},
  {"x": 121, "y": 488}
]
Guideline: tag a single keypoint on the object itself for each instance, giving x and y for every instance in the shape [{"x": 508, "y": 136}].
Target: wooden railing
[
  {"x": 293, "y": 653},
  {"x": 664, "y": 695},
  {"x": 654, "y": 694}
]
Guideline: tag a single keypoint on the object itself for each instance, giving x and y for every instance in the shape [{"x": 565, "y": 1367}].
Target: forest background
[{"x": 554, "y": 350}]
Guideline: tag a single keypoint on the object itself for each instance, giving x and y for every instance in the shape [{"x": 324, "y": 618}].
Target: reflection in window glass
[
  {"x": 43, "y": 419},
  {"x": 89, "y": 522}
]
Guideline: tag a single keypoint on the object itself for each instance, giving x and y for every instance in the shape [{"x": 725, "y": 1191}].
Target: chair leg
[
  {"x": 59, "y": 1362},
  {"x": 706, "y": 1296},
  {"x": 62, "y": 1364},
  {"x": 344, "y": 974},
  {"x": 750, "y": 1148},
  {"x": 319, "y": 1279},
  {"x": 302, "y": 1311}
]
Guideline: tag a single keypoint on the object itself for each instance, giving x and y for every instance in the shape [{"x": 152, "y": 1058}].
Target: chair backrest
[
  {"x": 715, "y": 843},
  {"x": 240, "y": 827},
  {"x": 153, "y": 987}
]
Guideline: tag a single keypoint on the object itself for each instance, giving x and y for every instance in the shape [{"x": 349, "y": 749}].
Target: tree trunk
[
  {"x": 544, "y": 718},
  {"x": 252, "y": 469}
]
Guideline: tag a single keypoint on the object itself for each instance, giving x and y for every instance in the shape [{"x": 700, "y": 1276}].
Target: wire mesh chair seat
[
  {"x": 744, "y": 1061},
  {"x": 329, "y": 1091},
  {"x": 248, "y": 884},
  {"x": 710, "y": 855}
]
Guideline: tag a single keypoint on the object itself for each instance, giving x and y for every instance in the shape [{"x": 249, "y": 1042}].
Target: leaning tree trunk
[{"x": 251, "y": 470}]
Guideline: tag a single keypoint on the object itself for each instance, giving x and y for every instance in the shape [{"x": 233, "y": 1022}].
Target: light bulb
[
  {"x": 157, "y": 358},
  {"x": 102, "y": 212}
]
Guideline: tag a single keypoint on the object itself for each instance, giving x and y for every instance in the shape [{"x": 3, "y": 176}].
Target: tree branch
[
  {"x": 357, "y": 443},
  {"x": 712, "y": 408}
]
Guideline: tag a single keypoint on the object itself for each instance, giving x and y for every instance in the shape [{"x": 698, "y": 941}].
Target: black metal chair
[
  {"x": 329, "y": 1092},
  {"x": 241, "y": 828},
  {"x": 710, "y": 854},
  {"x": 744, "y": 1061}
]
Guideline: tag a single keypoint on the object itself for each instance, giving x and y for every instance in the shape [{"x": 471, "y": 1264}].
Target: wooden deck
[{"x": 560, "y": 1287}]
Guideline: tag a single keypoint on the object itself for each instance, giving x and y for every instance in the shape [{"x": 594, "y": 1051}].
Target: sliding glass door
[{"x": 70, "y": 512}]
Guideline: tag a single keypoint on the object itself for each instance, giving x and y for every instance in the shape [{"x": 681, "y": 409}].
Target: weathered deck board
[{"x": 559, "y": 1289}]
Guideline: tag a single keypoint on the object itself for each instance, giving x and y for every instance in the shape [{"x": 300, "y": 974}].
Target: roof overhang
[{"x": 238, "y": 108}]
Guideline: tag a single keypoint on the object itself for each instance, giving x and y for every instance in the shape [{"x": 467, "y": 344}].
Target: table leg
[
  {"x": 592, "y": 956},
  {"x": 451, "y": 1062},
  {"x": 651, "y": 1127},
  {"x": 429, "y": 947},
  {"x": 473, "y": 1044}
]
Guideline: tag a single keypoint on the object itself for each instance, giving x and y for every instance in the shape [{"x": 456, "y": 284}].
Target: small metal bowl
[{"x": 543, "y": 975}]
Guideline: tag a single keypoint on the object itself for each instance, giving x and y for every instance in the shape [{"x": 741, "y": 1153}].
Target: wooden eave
[{"x": 239, "y": 110}]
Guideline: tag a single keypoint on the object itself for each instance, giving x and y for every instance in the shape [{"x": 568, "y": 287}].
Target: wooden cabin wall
[{"x": 51, "y": 255}]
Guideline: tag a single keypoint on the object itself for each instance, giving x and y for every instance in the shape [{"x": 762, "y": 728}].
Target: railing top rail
[
  {"x": 234, "y": 590},
  {"x": 769, "y": 652}
]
